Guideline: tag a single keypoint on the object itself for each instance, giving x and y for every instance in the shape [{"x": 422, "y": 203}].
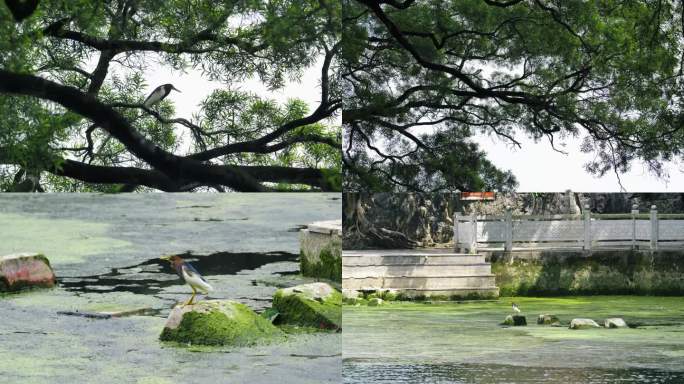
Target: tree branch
[{"x": 115, "y": 124}]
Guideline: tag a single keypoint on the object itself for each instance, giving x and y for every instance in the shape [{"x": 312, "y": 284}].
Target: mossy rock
[
  {"x": 546, "y": 319},
  {"x": 312, "y": 305},
  {"x": 374, "y": 302},
  {"x": 218, "y": 322},
  {"x": 515, "y": 320},
  {"x": 583, "y": 324},
  {"x": 24, "y": 271}
]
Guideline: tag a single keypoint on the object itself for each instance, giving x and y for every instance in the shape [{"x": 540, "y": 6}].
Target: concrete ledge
[
  {"x": 321, "y": 250},
  {"x": 373, "y": 258},
  {"x": 452, "y": 270},
  {"x": 427, "y": 282}
]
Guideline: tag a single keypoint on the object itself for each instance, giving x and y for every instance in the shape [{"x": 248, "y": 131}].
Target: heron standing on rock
[
  {"x": 516, "y": 309},
  {"x": 158, "y": 95},
  {"x": 189, "y": 275}
]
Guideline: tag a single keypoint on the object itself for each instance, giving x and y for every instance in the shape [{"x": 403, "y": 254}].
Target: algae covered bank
[{"x": 102, "y": 320}]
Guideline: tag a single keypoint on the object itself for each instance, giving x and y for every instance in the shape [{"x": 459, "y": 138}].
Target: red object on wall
[{"x": 477, "y": 195}]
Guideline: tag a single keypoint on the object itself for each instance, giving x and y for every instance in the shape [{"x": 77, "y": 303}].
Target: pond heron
[{"x": 189, "y": 275}]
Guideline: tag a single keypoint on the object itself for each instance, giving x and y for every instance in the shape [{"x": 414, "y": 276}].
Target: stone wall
[{"x": 604, "y": 272}]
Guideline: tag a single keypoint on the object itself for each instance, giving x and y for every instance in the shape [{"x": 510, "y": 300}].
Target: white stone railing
[{"x": 586, "y": 231}]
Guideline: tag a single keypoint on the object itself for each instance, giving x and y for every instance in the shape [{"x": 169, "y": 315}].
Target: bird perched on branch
[
  {"x": 190, "y": 275},
  {"x": 159, "y": 94}
]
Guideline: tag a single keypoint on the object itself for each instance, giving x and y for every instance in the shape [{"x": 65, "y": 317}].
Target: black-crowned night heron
[
  {"x": 190, "y": 275},
  {"x": 158, "y": 95}
]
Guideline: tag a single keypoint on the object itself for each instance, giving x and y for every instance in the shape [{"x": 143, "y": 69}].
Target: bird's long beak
[
  {"x": 167, "y": 257},
  {"x": 172, "y": 87}
]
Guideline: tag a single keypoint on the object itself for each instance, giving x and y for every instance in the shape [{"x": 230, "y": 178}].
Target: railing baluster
[
  {"x": 635, "y": 212},
  {"x": 654, "y": 227},
  {"x": 587, "y": 228}
]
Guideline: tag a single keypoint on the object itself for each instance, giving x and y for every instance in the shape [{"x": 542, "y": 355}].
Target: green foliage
[
  {"x": 608, "y": 71},
  {"x": 230, "y": 41}
]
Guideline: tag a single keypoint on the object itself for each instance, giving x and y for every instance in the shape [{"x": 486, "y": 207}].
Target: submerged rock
[
  {"x": 515, "y": 320},
  {"x": 218, "y": 322},
  {"x": 374, "y": 302},
  {"x": 350, "y": 293},
  {"x": 615, "y": 322},
  {"x": 545, "y": 319},
  {"x": 26, "y": 270},
  {"x": 314, "y": 305},
  {"x": 583, "y": 324}
]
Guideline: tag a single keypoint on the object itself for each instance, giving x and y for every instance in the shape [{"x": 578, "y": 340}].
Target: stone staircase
[{"x": 419, "y": 273}]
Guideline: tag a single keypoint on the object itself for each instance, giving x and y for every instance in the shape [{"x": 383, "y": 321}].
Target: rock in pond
[
  {"x": 312, "y": 305},
  {"x": 350, "y": 293},
  {"x": 25, "y": 270},
  {"x": 374, "y": 302},
  {"x": 515, "y": 320},
  {"x": 218, "y": 322},
  {"x": 545, "y": 319},
  {"x": 583, "y": 324},
  {"x": 615, "y": 322}
]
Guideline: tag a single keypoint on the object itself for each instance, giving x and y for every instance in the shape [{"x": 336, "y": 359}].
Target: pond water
[
  {"x": 465, "y": 343},
  {"x": 105, "y": 252}
]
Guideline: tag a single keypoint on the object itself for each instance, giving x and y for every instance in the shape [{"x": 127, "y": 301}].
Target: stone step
[
  {"x": 425, "y": 282},
  {"x": 422, "y": 270},
  {"x": 410, "y": 259}
]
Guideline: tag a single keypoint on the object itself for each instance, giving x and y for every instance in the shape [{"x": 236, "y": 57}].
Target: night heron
[
  {"x": 158, "y": 94},
  {"x": 190, "y": 275},
  {"x": 515, "y": 307}
]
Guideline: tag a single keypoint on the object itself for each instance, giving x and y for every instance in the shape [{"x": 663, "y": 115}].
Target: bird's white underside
[
  {"x": 197, "y": 282},
  {"x": 154, "y": 97}
]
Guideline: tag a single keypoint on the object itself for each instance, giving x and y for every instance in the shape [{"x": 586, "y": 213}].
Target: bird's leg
[{"x": 194, "y": 292}]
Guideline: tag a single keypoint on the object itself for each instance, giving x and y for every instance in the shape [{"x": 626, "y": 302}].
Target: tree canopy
[
  {"x": 421, "y": 77},
  {"x": 72, "y": 85}
]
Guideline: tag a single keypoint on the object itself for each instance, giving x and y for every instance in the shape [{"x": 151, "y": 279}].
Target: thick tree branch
[
  {"x": 188, "y": 46},
  {"x": 115, "y": 124}
]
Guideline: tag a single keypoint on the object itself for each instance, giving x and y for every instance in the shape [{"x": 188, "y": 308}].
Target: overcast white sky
[{"x": 538, "y": 168}]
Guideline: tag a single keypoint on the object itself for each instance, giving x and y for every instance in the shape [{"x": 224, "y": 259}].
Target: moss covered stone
[
  {"x": 546, "y": 319},
  {"x": 218, "y": 322},
  {"x": 313, "y": 305},
  {"x": 26, "y": 270}
]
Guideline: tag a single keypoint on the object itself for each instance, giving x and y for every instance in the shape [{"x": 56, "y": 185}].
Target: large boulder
[
  {"x": 313, "y": 305},
  {"x": 515, "y": 320},
  {"x": 583, "y": 324},
  {"x": 218, "y": 322},
  {"x": 615, "y": 322},
  {"x": 26, "y": 270},
  {"x": 545, "y": 319}
]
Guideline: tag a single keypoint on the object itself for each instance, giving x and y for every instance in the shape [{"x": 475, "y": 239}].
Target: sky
[{"x": 536, "y": 166}]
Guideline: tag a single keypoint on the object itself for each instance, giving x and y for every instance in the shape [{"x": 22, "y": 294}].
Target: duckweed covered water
[
  {"x": 465, "y": 343},
  {"x": 243, "y": 259}
]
